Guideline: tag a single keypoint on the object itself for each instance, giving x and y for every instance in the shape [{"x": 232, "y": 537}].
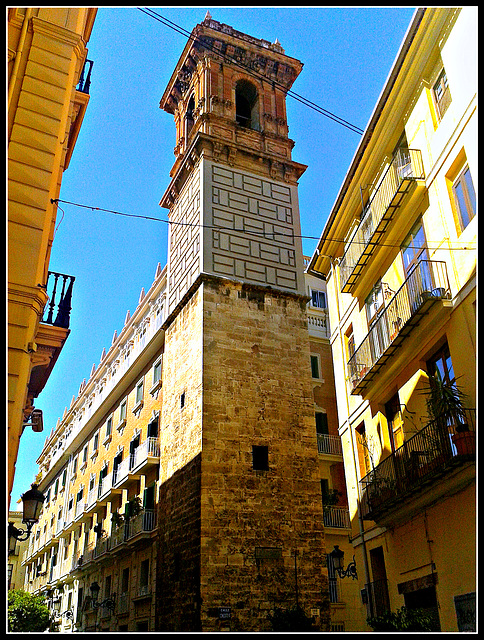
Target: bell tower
[
  {"x": 240, "y": 516},
  {"x": 234, "y": 184}
]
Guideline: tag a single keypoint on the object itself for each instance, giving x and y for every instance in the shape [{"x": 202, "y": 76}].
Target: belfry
[{"x": 240, "y": 515}]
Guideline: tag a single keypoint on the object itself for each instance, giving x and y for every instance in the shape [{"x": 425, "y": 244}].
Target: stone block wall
[{"x": 242, "y": 360}]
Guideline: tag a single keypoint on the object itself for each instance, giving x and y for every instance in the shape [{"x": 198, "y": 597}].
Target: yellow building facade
[
  {"x": 48, "y": 93},
  {"x": 99, "y": 473},
  {"x": 398, "y": 253}
]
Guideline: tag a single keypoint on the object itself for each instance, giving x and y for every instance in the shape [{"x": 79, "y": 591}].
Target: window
[
  {"x": 182, "y": 400},
  {"x": 107, "y": 586},
  {"x": 95, "y": 444},
  {"x": 441, "y": 362},
  {"x": 144, "y": 574},
  {"x": 125, "y": 580},
  {"x": 260, "y": 458},
  {"x": 321, "y": 423},
  {"x": 350, "y": 352},
  {"x": 122, "y": 411},
  {"x": 442, "y": 93},
  {"x": 157, "y": 372},
  {"x": 318, "y": 299},
  {"x": 84, "y": 455},
  {"x": 315, "y": 366},
  {"x": 332, "y": 579},
  {"x": 414, "y": 247},
  {"x": 374, "y": 302},
  {"x": 464, "y": 197},
  {"x": 189, "y": 119},
  {"x": 139, "y": 393},
  {"x": 393, "y": 415},
  {"x": 246, "y": 105},
  {"x": 109, "y": 426},
  {"x": 153, "y": 428},
  {"x": 363, "y": 450}
]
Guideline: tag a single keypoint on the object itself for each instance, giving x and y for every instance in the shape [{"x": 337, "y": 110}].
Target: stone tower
[{"x": 240, "y": 516}]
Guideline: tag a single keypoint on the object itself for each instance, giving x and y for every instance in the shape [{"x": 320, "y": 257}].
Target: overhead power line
[
  {"x": 259, "y": 76},
  {"x": 264, "y": 234}
]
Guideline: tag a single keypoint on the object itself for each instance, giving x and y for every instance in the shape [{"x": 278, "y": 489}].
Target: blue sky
[{"x": 124, "y": 154}]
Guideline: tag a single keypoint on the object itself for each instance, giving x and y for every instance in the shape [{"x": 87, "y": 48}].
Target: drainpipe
[
  {"x": 18, "y": 54},
  {"x": 352, "y": 437}
]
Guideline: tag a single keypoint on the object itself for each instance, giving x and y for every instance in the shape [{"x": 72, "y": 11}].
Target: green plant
[
  {"x": 331, "y": 498},
  {"x": 117, "y": 519},
  {"x": 403, "y": 619},
  {"x": 445, "y": 402},
  {"x": 133, "y": 507},
  {"x": 293, "y": 619},
  {"x": 27, "y": 612}
]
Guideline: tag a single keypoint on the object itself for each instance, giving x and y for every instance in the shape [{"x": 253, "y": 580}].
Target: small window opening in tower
[
  {"x": 246, "y": 105},
  {"x": 189, "y": 120}
]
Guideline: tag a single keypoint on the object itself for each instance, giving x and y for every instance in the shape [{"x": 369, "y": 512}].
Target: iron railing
[
  {"x": 405, "y": 167},
  {"x": 329, "y": 444},
  {"x": 430, "y": 453},
  {"x": 59, "y": 289},
  {"x": 338, "y": 517},
  {"x": 427, "y": 281}
]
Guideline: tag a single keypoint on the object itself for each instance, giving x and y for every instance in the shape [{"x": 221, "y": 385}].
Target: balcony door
[{"x": 414, "y": 248}]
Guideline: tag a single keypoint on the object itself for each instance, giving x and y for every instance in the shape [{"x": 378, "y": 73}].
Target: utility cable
[
  {"x": 292, "y": 94},
  {"x": 264, "y": 234}
]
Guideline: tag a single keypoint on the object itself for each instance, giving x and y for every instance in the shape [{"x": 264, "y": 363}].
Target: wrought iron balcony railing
[
  {"x": 337, "y": 517},
  {"x": 329, "y": 444},
  {"x": 59, "y": 289},
  {"x": 422, "y": 459},
  {"x": 427, "y": 283},
  {"x": 406, "y": 168}
]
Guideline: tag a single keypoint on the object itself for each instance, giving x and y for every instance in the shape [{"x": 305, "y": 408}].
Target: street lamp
[
  {"x": 337, "y": 556},
  {"x": 56, "y": 606},
  {"x": 32, "y": 506},
  {"x": 109, "y": 602}
]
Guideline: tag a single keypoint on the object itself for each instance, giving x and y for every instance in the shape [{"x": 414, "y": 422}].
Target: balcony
[
  {"x": 427, "y": 284},
  {"x": 124, "y": 474},
  {"x": 148, "y": 453},
  {"x": 329, "y": 445},
  {"x": 106, "y": 491},
  {"x": 142, "y": 523},
  {"x": 318, "y": 323},
  {"x": 58, "y": 309},
  {"x": 53, "y": 330},
  {"x": 427, "y": 459},
  {"x": 80, "y": 102},
  {"x": 403, "y": 172},
  {"x": 336, "y": 517}
]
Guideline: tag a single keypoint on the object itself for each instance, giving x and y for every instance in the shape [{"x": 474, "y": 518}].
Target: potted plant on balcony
[
  {"x": 445, "y": 405},
  {"x": 117, "y": 519}
]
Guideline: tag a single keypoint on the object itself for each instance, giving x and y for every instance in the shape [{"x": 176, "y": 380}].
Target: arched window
[{"x": 246, "y": 105}]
